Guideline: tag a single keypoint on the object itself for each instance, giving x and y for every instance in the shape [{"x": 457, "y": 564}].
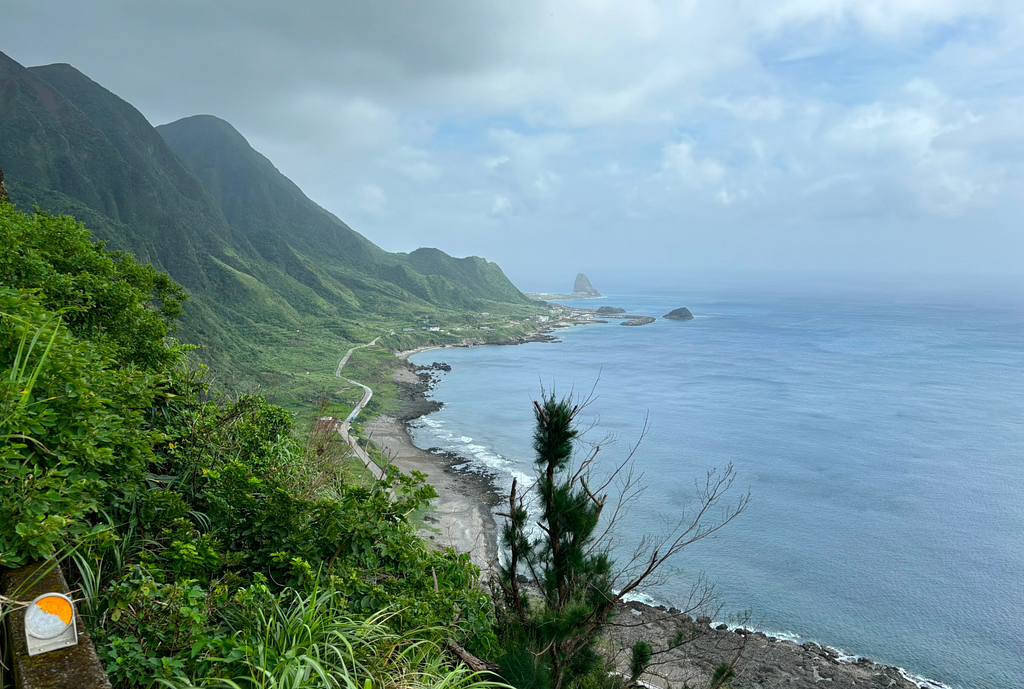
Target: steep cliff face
[
  {"x": 195, "y": 200},
  {"x": 313, "y": 245},
  {"x": 583, "y": 288}
]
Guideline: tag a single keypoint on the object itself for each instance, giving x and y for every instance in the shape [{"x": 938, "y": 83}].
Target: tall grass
[
  {"x": 23, "y": 373},
  {"x": 296, "y": 641},
  {"x": 15, "y": 395}
]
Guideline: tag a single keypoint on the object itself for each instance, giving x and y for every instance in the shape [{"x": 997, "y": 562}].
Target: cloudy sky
[{"x": 641, "y": 142}]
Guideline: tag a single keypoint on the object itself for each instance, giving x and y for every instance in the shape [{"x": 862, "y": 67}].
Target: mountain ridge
[
  {"x": 258, "y": 258},
  {"x": 269, "y": 208}
]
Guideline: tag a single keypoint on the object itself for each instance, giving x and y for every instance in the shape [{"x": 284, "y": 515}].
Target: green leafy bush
[
  {"x": 196, "y": 532},
  {"x": 103, "y": 296},
  {"x": 71, "y": 419}
]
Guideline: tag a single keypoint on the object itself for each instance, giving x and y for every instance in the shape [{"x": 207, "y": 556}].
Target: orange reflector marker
[{"x": 50, "y": 624}]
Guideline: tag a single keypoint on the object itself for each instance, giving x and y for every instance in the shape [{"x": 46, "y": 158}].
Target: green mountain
[
  {"x": 260, "y": 260},
  {"x": 272, "y": 212},
  {"x": 255, "y": 197}
]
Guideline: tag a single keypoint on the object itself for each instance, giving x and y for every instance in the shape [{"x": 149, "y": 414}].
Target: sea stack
[
  {"x": 583, "y": 289},
  {"x": 680, "y": 314}
]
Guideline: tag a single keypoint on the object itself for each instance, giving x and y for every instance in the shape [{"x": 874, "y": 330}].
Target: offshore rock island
[
  {"x": 680, "y": 314},
  {"x": 581, "y": 289},
  {"x": 639, "y": 320}
]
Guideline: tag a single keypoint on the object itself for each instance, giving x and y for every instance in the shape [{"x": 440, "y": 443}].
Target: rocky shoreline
[
  {"x": 761, "y": 661},
  {"x": 639, "y": 320}
]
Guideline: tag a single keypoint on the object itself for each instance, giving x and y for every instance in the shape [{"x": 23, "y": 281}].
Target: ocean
[{"x": 881, "y": 439}]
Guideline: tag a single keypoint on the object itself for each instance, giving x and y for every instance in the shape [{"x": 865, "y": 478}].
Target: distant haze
[{"x": 643, "y": 143}]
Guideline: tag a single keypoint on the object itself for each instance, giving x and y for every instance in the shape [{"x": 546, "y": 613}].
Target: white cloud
[
  {"x": 501, "y": 206},
  {"x": 763, "y": 123},
  {"x": 416, "y": 163},
  {"x": 547, "y": 183},
  {"x": 679, "y": 162},
  {"x": 372, "y": 198}
]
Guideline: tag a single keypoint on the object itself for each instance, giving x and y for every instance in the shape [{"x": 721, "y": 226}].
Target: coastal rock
[
  {"x": 639, "y": 320},
  {"x": 609, "y": 310},
  {"x": 680, "y": 314},
  {"x": 583, "y": 289},
  {"x": 411, "y": 393},
  {"x": 3, "y": 190},
  {"x": 761, "y": 662}
]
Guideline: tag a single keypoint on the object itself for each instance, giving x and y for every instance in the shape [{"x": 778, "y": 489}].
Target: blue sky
[{"x": 644, "y": 142}]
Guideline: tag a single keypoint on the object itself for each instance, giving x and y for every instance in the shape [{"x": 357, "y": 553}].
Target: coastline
[
  {"x": 542, "y": 334},
  {"x": 464, "y": 520},
  {"x": 460, "y": 516}
]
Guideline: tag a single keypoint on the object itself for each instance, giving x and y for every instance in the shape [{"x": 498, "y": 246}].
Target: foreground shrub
[
  {"x": 198, "y": 537},
  {"x": 72, "y": 425},
  {"x": 294, "y": 639}
]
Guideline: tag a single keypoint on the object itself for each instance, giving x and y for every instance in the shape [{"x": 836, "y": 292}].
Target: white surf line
[{"x": 345, "y": 426}]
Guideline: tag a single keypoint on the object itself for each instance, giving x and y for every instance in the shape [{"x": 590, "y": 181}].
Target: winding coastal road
[{"x": 345, "y": 426}]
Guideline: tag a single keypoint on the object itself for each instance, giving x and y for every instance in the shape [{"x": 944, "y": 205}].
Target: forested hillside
[
  {"x": 265, "y": 268},
  {"x": 208, "y": 543}
]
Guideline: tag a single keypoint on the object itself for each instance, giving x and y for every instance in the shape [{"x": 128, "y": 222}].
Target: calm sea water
[{"x": 882, "y": 441}]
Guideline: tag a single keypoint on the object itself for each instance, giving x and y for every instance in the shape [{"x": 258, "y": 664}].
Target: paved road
[
  {"x": 345, "y": 426},
  {"x": 348, "y": 354}
]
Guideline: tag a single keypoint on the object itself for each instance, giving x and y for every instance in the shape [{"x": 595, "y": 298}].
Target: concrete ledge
[{"x": 77, "y": 667}]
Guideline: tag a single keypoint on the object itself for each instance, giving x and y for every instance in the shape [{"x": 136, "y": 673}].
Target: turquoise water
[{"x": 881, "y": 439}]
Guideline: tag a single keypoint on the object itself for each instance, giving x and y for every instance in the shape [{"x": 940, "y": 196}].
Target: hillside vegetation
[
  {"x": 278, "y": 286},
  {"x": 212, "y": 544}
]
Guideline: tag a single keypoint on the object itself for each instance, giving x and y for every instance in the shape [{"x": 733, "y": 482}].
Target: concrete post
[{"x": 76, "y": 667}]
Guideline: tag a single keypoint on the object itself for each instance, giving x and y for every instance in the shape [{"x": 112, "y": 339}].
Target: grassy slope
[{"x": 278, "y": 286}]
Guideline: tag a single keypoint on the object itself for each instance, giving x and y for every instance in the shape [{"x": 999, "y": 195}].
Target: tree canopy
[{"x": 104, "y": 296}]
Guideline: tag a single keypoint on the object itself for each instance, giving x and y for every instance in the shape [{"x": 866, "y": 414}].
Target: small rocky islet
[
  {"x": 639, "y": 320},
  {"x": 582, "y": 289},
  {"x": 680, "y": 314}
]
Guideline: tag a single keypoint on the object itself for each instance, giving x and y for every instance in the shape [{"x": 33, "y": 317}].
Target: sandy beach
[{"x": 460, "y": 516}]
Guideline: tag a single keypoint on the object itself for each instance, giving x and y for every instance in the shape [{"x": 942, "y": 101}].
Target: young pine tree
[
  {"x": 574, "y": 580},
  {"x": 576, "y": 584}
]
